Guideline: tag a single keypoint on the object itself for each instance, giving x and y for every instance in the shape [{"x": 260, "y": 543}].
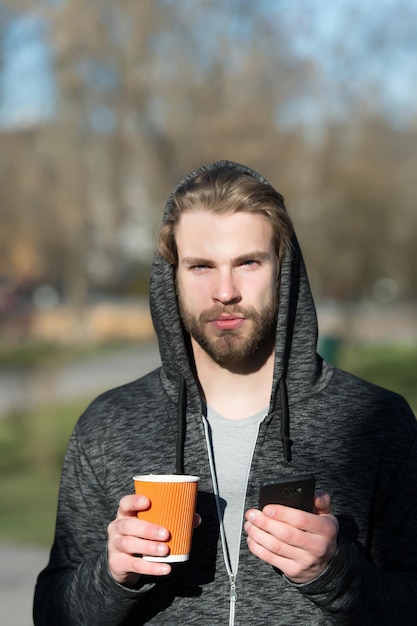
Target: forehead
[{"x": 203, "y": 232}]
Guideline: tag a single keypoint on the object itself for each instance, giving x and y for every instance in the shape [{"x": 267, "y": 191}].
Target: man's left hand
[{"x": 299, "y": 544}]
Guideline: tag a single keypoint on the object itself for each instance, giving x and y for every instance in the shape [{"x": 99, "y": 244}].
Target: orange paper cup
[{"x": 173, "y": 498}]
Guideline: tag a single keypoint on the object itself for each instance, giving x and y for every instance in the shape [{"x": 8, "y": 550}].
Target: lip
[{"x": 228, "y": 322}]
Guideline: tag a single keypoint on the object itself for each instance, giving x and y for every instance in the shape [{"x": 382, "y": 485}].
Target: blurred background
[{"x": 104, "y": 106}]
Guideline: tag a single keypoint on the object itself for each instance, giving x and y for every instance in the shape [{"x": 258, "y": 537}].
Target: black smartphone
[{"x": 294, "y": 491}]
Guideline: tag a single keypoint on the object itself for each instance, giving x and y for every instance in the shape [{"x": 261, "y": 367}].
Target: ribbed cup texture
[{"x": 172, "y": 506}]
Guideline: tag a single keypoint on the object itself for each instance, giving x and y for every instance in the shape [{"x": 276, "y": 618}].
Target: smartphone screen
[{"x": 295, "y": 491}]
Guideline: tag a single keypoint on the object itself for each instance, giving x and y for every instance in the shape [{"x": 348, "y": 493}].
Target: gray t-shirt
[{"x": 233, "y": 443}]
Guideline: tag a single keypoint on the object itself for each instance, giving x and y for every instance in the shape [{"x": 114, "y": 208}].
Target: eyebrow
[
  {"x": 248, "y": 256},
  {"x": 259, "y": 255},
  {"x": 191, "y": 260}
]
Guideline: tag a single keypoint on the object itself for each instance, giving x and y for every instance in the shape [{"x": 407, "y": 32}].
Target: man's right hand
[{"x": 130, "y": 538}]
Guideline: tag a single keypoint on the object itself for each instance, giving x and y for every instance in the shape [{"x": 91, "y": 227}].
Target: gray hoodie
[{"x": 358, "y": 439}]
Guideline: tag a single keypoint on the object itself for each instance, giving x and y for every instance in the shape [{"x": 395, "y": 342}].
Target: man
[{"x": 237, "y": 333}]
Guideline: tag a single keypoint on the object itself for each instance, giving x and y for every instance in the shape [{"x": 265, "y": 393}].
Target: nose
[{"x": 226, "y": 290}]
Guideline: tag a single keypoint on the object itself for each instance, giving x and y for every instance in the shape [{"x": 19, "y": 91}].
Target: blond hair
[{"x": 224, "y": 190}]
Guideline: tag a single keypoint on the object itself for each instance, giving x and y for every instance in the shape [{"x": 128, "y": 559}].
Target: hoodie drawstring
[
  {"x": 285, "y": 420},
  {"x": 181, "y": 412}
]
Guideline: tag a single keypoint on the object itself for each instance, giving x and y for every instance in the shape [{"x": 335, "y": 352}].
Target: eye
[
  {"x": 201, "y": 267},
  {"x": 250, "y": 263}
]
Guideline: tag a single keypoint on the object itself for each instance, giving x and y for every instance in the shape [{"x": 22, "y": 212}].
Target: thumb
[{"x": 322, "y": 504}]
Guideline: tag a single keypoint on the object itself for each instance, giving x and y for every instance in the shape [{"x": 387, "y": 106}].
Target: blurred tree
[{"x": 149, "y": 90}]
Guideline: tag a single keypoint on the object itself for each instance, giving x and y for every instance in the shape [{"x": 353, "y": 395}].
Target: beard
[{"x": 235, "y": 346}]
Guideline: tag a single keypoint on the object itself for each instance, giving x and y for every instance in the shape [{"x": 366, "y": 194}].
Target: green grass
[
  {"x": 34, "y": 353},
  {"x": 390, "y": 366},
  {"x": 28, "y": 507},
  {"x": 32, "y": 443},
  {"x": 32, "y": 447}
]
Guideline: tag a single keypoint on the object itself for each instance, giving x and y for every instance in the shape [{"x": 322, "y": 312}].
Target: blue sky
[
  {"x": 367, "y": 48},
  {"x": 343, "y": 37},
  {"x": 27, "y": 86}
]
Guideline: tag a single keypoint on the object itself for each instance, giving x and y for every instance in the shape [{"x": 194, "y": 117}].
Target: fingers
[
  {"x": 279, "y": 536},
  {"x": 197, "y": 520},
  {"x": 129, "y": 539},
  {"x": 126, "y": 562},
  {"x": 131, "y": 504},
  {"x": 125, "y": 552},
  {"x": 298, "y": 543}
]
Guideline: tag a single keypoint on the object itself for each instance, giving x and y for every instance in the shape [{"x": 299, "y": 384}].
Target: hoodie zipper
[
  {"x": 231, "y": 574},
  {"x": 233, "y": 599}
]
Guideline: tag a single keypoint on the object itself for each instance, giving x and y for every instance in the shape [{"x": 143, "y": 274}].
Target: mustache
[{"x": 219, "y": 310}]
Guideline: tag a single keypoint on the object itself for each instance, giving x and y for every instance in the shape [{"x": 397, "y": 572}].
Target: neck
[{"x": 238, "y": 390}]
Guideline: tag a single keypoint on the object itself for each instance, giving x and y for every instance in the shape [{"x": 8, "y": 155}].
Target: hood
[{"x": 298, "y": 370}]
